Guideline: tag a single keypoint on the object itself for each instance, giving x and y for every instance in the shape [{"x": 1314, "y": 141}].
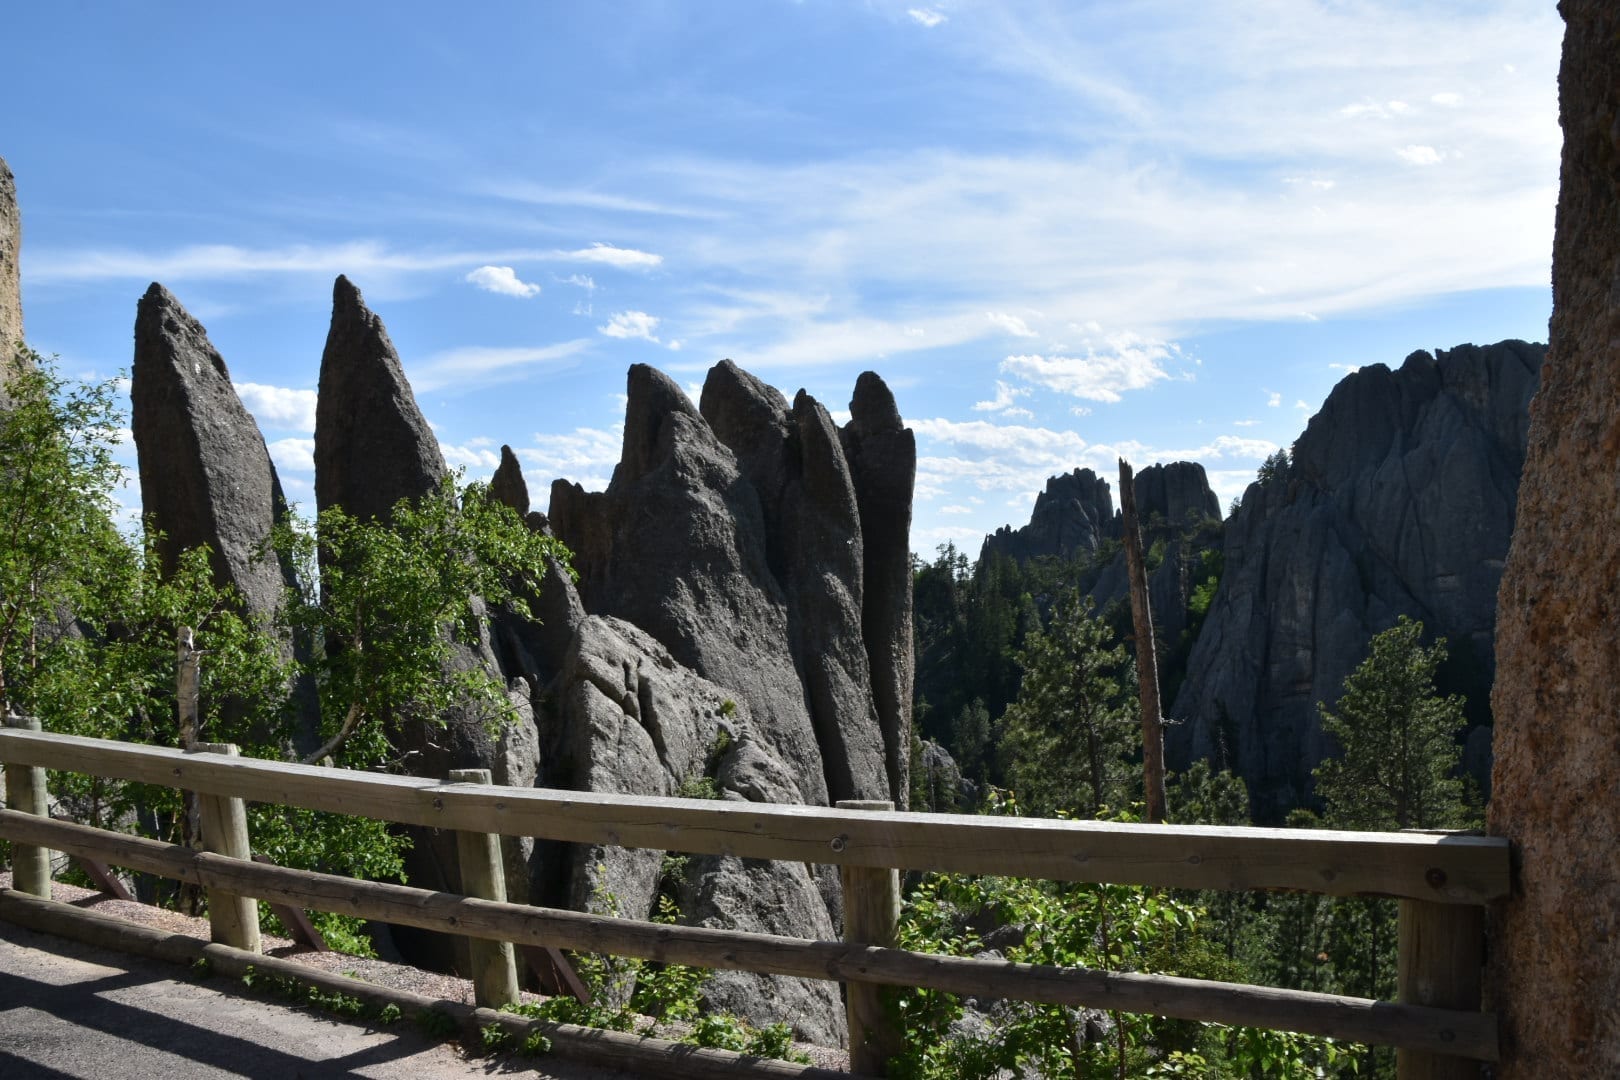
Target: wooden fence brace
[
  {"x": 871, "y": 917},
  {"x": 554, "y": 973},
  {"x": 298, "y": 926},
  {"x": 494, "y": 965},
  {"x": 105, "y": 880},
  {"x": 25, "y": 791},
  {"x": 233, "y": 920},
  {"x": 1441, "y": 964}
]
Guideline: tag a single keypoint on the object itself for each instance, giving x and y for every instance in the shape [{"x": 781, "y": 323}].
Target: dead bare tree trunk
[
  {"x": 187, "y": 693},
  {"x": 1147, "y": 662}
]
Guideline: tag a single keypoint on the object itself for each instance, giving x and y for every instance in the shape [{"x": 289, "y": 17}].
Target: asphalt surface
[{"x": 67, "y": 1010}]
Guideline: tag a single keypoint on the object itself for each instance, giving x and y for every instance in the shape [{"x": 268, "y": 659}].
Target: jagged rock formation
[
  {"x": 732, "y": 536},
  {"x": 11, "y": 322},
  {"x": 1554, "y": 970},
  {"x": 206, "y": 477},
  {"x": 734, "y": 539},
  {"x": 373, "y": 448},
  {"x": 882, "y": 455},
  {"x": 1075, "y": 513},
  {"x": 1075, "y": 517},
  {"x": 1400, "y": 500},
  {"x": 734, "y": 631}
]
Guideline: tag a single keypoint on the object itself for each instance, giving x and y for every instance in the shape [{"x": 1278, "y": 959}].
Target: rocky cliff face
[
  {"x": 1074, "y": 514},
  {"x": 373, "y": 448},
  {"x": 1554, "y": 969},
  {"x": 740, "y": 628},
  {"x": 1400, "y": 501},
  {"x": 11, "y": 324},
  {"x": 206, "y": 477},
  {"x": 752, "y": 550}
]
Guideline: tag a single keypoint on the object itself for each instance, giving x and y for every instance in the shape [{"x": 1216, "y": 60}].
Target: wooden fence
[{"x": 1441, "y": 880}]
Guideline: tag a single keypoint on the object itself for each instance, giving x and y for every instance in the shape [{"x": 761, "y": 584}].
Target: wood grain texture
[
  {"x": 1467, "y": 1034},
  {"x": 234, "y": 919},
  {"x": 25, "y": 791},
  {"x": 494, "y": 964},
  {"x": 1430, "y": 867}
]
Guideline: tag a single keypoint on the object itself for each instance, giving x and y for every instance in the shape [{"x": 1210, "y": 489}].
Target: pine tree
[{"x": 1398, "y": 738}]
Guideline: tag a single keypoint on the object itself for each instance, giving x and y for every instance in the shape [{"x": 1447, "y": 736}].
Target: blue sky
[{"x": 1060, "y": 231}]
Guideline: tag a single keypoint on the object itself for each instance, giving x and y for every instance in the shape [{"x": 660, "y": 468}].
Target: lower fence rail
[{"x": 1452, "y": 1033}]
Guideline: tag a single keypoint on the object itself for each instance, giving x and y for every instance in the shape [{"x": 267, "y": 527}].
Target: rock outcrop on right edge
[
  {"x": 1400, "y": 500},
  {"x": 1554, "y": 968},
  {"x": 11, "y": 324}
]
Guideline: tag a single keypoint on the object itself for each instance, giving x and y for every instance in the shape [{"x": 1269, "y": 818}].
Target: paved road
[{"x": 67, "y": 1010}]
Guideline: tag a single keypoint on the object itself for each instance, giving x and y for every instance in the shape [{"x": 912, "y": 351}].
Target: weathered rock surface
[
  {"x": 1400, "y": 501},
  {"x": 508, "y": 486},
  {"x": 627, "y": 718},
  {"x": 882, "y": 456},
  {"x": 206, "y": 477},
  {"x": 373, "y": 447},
  {"x": 729, "y": 556},
  {"x": 1554, "y": 972},
  {"x": 11, "y": 322}
]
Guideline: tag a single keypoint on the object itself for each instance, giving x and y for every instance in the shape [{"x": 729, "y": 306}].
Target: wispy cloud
[
  {"x": 1010, "y": 323},
  {"x": 927, "y": 17},
  {"x": 480, "y": 365},
  {"x": 1420, "y": 155},
  {"x": 1006, "y": 397},
  {"x": 620, "y": 258},
  {"x": 353, "y": 257},
  {"x": 585, "y": 456},
  {"x": 503, "y": 280}
]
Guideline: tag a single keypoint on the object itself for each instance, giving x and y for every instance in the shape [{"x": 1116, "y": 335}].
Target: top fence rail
[{"x": 1437, "y": 868}]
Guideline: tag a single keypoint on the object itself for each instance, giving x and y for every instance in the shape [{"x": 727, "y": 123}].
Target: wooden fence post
[
  {"x": 494, "y": 964},
  {"x": 233, "y": 920},
  {"x": 25, "y": 791},
  {"x": 1441, "y": 963},
  {"x": 871, "y": 917}
]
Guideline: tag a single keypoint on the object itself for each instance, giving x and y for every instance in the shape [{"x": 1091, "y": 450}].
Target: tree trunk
[{"x": 1147, "y": 663}]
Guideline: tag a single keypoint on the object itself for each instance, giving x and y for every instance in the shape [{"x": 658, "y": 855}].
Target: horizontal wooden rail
[
  {"x": 1435, "y": 868},
  {"x": 1459, "y": 1033}
]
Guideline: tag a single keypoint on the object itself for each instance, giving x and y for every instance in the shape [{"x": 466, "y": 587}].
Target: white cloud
[
  {"x": 1420, "y": 155},
  {"x": 585, "y": 456},
  {"x": 954, "y": 509},
  {"x": 581, "y": 281},
  {"x": 1348, "y": 369},
  {"x": 631, "y": 324},
  {"x": 617, "y": 257},
  {"x": 1010, "y": 323},
  {"x": 1129, "y": 363},
  {"x": 503, "y": 280},
  {"x": 1017, "y": 414},
  {"x": 1006, "y": 397},
  {"x": 1274, "y": 400},
  {"x": 479, "y": 365},
  {"x": 279, "y": 407},
  {"x": 1245, "y": 423},
  {"x": 296, "y": 456},
  {"x": 926, "y": 16},
  {"x": 1447, "y": 99},
  {"x": 472, "y": 455}
]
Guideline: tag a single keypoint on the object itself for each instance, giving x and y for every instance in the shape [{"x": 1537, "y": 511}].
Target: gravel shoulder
[{"x": 67, "y": 1009}]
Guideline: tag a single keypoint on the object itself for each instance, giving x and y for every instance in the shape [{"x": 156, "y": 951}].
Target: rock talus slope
[{"x": 1554, "y": 963}]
